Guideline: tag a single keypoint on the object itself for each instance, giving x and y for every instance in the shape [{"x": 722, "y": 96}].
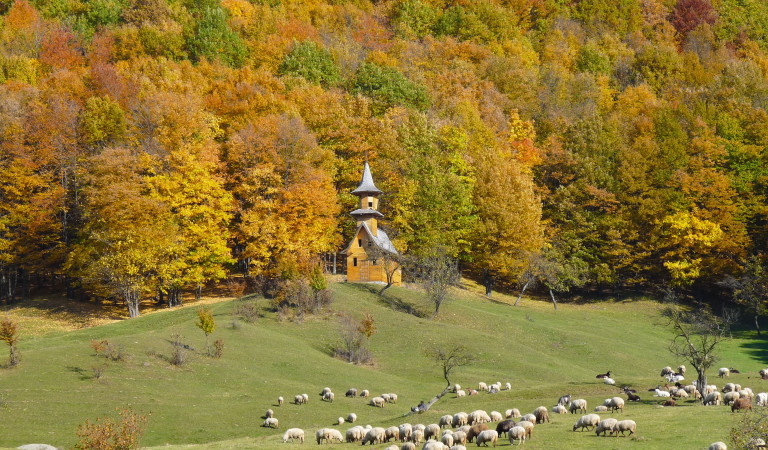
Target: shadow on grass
[
  {"x": 83, "y": 375},
  {"x": 390, "y": 300}
]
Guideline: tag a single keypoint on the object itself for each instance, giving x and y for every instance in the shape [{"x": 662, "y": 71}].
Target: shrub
[
  {"x": 246, "y": 310},
  {"x": 206, "y": 322},
  {"x": 298, "y": 295},
  {"x": 98, "y": 371},
  {"x": 312, "y": 62},
  {"x": 354, "y": 340},
  {"x": 110, "y": 434},
  {"x": 218, "y": 348},
  {"x": 179, "y": 355},
  {"x": 9, "y": 333},
  {"x": 753, "y": 425},
  {"x": 109, "y": 350}
]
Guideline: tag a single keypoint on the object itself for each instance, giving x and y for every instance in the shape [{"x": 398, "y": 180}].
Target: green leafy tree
[
  {"x": 212, "y": 38},
  {"x": 207, "y": 323},
  {"x": 9, "y": 333},
  {"x": 387, "y": 87},
  {"x": 312, "y": 62}
]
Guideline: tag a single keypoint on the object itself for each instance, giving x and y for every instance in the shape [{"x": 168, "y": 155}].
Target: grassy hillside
[{"x": 219, "y": 403}]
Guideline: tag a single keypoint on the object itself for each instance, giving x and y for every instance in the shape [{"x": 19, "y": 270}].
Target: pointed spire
[{"x": 366, "y": 183}]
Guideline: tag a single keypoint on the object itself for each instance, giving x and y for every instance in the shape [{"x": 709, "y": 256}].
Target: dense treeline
[{"x": 151, "y": 146}]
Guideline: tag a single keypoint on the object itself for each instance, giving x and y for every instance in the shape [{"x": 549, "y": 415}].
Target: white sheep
[
  {"x": 587, "y": 421},
  {"x": 340, "y": 421},
  {"x": 406, "y": 430},
  {"x": 445, "y": 421},
  {"x": 269, "y": 414},
  {"x": 625, "y": 425},
  {"x": 461, "y": 393},
  {"x": 666, "y": 371},
  {"x": 724, "y": 372},
  {"x": 375, "y": 435},
  {"x": 496, "y": 416},
  {"x": 542, "y": 414},
  {"x": 419, "y": 426},
  {"x": 755, "y": 443},
  {"x": 507, "y": 386},
  {"x": 478, "y": 416},
  {"x": 456, "y": 387},
  {"x": 608, "y": 380},
  {"x": 762, "y": 399},
  {"x": 601, "y": 408},
  {"x": 446, "y": 432},
  {"x": 305, "y": 397},
  {"x": 352, "y": 418},
  {"x": 464, "y": 429},
  {"x": 718, "y": 446},
  {"x": 516, "y": 434},
  {"x": 713, "y": 398},
  {"x": 681, "y": 369},
  {"x": 729, "y": 387},
  {"x": 482, "y": 386},
  {"x": 528, "y": 425},
  {"x": 763, "y": 373},
  {"x": 679, "y": 393},
  {"x": 391, "y": 433},
  {"x": 417, "y": 436},
  {"x": 617, "y": 403},
  {"x": 364, "y": 393},
  {"x": 730, "y": 397},
  {"x": 293, "y": 433},
  {"x": 431, "y": 431},
  {"x": 578, "y": 405},
  {"x": 606, "y": 427},
  {"x": 709, "y": 388},
  {"x": 271, "y": 422},
  {"x": 378, "y": 402},
  {"x": 447, "y": 440},
  {"x": 559, "y": 409},
  {"x": 529, "y": 418},
  {"x": 332, "y": 435},
  {"x": 408, "y": 446},
  {"x": 280, "y": 401},
  {"x": 433, "y": 445},
  {"x": 660, "y": 393},
  {"x": 392, "y": 397},
  {"x": 460, "y": 437},
  {"x": 385, "y": 397},
  {"x": 355, "y": 434},
  {"x": 460, "y": 419},
  {"x": 512, "y": 413},
  {"x": 328, "y": 396},
  {"x": 487, "y": 436},
  {"x": 458, "y": 447},
  {"x": 299, "y": 399}
]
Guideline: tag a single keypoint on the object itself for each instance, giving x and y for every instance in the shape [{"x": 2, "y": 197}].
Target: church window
[
  {"x": 354, "y": 262},
  {"x": 359, "y": 242},
  {"x": 370, "y": 204}
]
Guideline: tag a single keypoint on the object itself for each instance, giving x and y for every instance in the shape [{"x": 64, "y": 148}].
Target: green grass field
[{"x": 219, "y": 404}]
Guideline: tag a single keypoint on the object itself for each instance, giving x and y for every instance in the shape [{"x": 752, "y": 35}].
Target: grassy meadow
[{"x": 219, "y": 404}]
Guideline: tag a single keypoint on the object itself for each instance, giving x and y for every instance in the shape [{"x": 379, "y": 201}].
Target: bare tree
[
  {"x": 437, "y": 272},
  {"x": 697, "y": 333},
  {"x": 389, "y": 261},
  {"x": 449, "y": 359}
]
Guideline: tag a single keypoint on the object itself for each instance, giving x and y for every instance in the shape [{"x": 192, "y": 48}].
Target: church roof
[
  {"x": 381, "y": 240},
  {"x": 362, "y": 212},
  {"x": 366, "y": 183}
]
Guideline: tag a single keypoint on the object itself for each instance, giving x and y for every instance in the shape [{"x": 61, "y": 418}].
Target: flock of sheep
[{"x": 454, "y": 432}]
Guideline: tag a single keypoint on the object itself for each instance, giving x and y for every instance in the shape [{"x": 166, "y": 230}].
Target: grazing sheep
[
  {"x": 601, "y": 408},
  {"x": 364, "y": 393},
  {"x": 542, "y": 414},
  {"x": 280, "y": 401},
  {"x": 713, "y": 398},
  {"x": 606, "y": 427},
  {"x": 351, "y": 392},
  {"x": 325, "y": 391},
  {"x": 332, "y": 435},
  {"x": 355, "y": 434},
  {"x": 461, "y": 393},
  {"x": 375, "y": 435},
  {"x": 666, "y": 371},
  {"x": 730, "y": 397},
  {"x": 625, "y": 425},
  {"x": 564, "y": 400},
  {"x": 270, "y": 422},
  {"x": 408, "y": 446},
  {"x": 609, "y": 381},
  {"x": 446, "y": 432},
  {"x": 475, "y": 430},
  {"x": 512, "y": 413},
  {"x": 763, "y": 373},
  {"x": 718, "y": 446},
  {"x": 494, "y": 388},
  {"x": 578, "y": 405},
  {"x": 293, "y": 433},
  {"x": 603, "y": 375},
  {"x": 305, "y": 397},
  {"x": 406, "y": 430},
  {"x": 529, "y": 418},
  {"x": 433, "y": 445},
  {"x": 724, "y": 372},
  {"x": 710, "y": 388},
  {"x": 431, "y": 431},
  {"x": 385, "y": 397},
  {"x": 419, "y": 426},
  {"x": 507, "y": 386},
  {"x": 617, "y": 403},
  {"x": 559, "y": 409},
  {"x": 516, "y": 434},
  {"x": 482, "y": 386},
  {"x": 391, "y": 433},
  {"x": 478, "y": 416},
  {"x": 746, "y": 392},
  {"x": 458, "y": 447},
  {"x": 679, "y": 393},
  {"x": 528, "y": 428},
  {"x": 320, "y": 435},
  {"x": 392, "y": 447},
  {"x": 729, "y": 387},
  {"x": 504, "y": 426},
  {"x": 734, "y": 370},
  {"x": 487, "y": 436},
  {"x": 761, "y": 399},
  {"x": 352, "y": 418},
  {"x": 447, "y": 440},
  {"x": 328, "y": 397},
  {"x": 681, "y": 369},
  {"x": 460, "y": 419},
  {"x": 445, "y": 421},
  {"x": 495, "y": 416},
  {"x": 299, "y": 400},
  {"x": 417, "y": 436},
  {"x": 378, "y": 402},
  {"x": 340, "y": 421},
  {"x": 588, "y": 421},
  {"x": 392, "y": 397},
  {"x": 269, "y": 414},
  {"x": 742, "y": 403},
  {"x": 460, "y": 437}
]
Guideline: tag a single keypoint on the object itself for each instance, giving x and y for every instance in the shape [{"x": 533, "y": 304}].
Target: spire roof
[{"x": 366, "y": 183}]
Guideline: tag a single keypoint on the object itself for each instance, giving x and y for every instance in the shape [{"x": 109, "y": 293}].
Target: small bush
[
  {"x": 246, "y": 310},
  {"x": 9, "y": 333},
  {"x": 218, "y": 348},
  {"x": 110, "y": 434},
  {"x": 109, "y": 350},
  {"x": 179, "y": 354},
  {"x": 98, "y": 372},
  {"x": 354, "y": 341},
  {"x": 753, "y": 425},
  {"x": 236, "y": 287},
  {"x": 298, "y": 294}
]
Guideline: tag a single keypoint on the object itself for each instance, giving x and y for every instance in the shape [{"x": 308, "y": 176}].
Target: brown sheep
[
  {"x": 670, "y": 402},
  {"x": 542, "y": 415},
  {"x": 475, "y": 430},
  {"x": 741, "y": 403}
]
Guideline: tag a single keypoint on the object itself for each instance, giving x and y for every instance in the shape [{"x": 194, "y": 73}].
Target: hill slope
[{"x": 542, "y": 353}]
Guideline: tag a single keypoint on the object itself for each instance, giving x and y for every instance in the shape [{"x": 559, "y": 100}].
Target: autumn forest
[{"x": 156, "y": 146}]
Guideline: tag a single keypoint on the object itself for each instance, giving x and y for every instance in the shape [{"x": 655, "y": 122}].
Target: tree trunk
[
  {"x": 525, "y": 286},
  {"x": 199, "y": 292},
  {"x": 14, "y": 356},
  {"x": 701, "y": 383},
  {"x": 389, "y": 283},
  {"x": 757, "y": 324},
  {"x": 488, "y": 282},
  {"x": 132, "y": 299},
  {"x": 437, "y": 310},
  {"x": 554, "y": 302}
]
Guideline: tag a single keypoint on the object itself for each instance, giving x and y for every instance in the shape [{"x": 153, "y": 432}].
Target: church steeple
[{"x": 367, "y": 211}]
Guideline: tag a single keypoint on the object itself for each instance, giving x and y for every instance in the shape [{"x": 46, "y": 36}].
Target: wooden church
[{"x": 364, "y": 253}]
